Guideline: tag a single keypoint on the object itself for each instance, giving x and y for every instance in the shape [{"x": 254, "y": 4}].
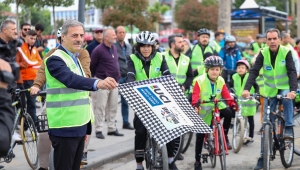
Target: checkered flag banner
[{"x": 163, "y": 108}]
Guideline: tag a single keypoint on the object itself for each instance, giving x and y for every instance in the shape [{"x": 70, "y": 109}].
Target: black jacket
[
  {"x": 123, "y": 59},
  {"x": 6, "y": 122},
  {"x": 290, "y": 66},
  {"x": 146, "y": 65}
]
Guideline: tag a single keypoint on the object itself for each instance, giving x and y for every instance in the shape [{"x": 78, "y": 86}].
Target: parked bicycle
[
  {"x": 273, "y": 138},
  {"x": 296, "y": 120}
]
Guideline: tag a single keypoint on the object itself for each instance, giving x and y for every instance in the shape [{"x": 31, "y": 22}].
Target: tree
[
  {"x": 53, "y": 4},
  {"x": 132, "y": 13},
  {"x": 199, "y": 16},
  {"x": 3, "y": 10},
  {"x": 101, "y": 4},
  {"x": 224, "y": 15},
  {"x": 158, "y": 8}
]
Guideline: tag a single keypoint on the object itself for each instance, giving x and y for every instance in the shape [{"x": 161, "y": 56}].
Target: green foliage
[
  {"x": 159, "y": 8},
  {"x": 209, "y": 2},
  {"x": 179, "y": 4},
  {"x": 293, "y": 28},
  {"x": 3, "y": 8},
  {"x": 238, "y": 3},
  {"x": 101, "y": 4},
  {"x": 54, "y": 3}
]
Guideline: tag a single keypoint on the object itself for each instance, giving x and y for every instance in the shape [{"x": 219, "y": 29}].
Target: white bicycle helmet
[
  {"x": 230, "y": 38},
  {"x": 145, "y": 37},
  {"x": 58, "y": 34}
]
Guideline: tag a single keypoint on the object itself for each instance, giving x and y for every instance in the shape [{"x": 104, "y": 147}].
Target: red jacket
[
  {"x": 297, "y": 52},
  {"x": 225, "y": 94}
]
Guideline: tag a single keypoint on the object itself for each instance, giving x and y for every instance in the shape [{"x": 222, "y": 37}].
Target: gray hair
[
  {"x": 105, "y": 32},
  {"x": 5, "y": 23},
  {"x": 284, "y": 34},
  {"x": 273, "y": 30},
  {"x": 70, "y": 23}
]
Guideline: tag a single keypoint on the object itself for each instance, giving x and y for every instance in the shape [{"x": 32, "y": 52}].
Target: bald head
[
  {"x": 249, "y": 39},
  {"x": 121, "y": 33}
]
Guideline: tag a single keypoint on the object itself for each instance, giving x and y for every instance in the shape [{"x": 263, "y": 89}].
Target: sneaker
[
  {"x": 288, "y": 132},
  {"x": 260, "y": 164},
  {"x": 172, "y": 166},
  {"x": 197, "y": 166},
  {"x": 229, "y": 147},
  {"x": 180, "y": 157},
  {"x": 248, "y": 140},
  {"x": 1, "y": 167},
  {"x": 16, "y": 137},
  {"x": 84, "y": 156}
]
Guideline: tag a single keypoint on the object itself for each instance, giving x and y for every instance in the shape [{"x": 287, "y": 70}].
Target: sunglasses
[{"x": 26, "y": 29}]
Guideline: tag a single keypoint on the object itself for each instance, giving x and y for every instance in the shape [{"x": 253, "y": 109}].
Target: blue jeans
[
  {"x": 288, "y": 111},
  {"x": 124, "y": 105},
  {"x": 31, "y": 108}
]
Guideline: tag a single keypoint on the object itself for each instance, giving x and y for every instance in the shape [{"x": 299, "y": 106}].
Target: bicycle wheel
[
  {"x": 296, "y": 120},
  {"x": 187, "y": 140},
  {"x": 211, "y": 149},
  {"x": 156, "y": 157},
  {"x": 178, "y": 144},
  {"x": 238, "y": 135},
  {"x": 51, "y": 159},
  {"x": 29, "y": 137},
  {"x": 222, "y": 151},
  {"x": 286, "y": 150},
  {"x": 267, "y": 140}
]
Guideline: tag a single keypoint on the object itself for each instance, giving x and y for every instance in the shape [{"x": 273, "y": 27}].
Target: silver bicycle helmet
[
  {"x": 230, "y": 38},
  {"x": 58, "y": 34},
  {"x": 213, "y": 61},
  {"x": 145, "y": 37},
  {"x": 203, "y": 31}
]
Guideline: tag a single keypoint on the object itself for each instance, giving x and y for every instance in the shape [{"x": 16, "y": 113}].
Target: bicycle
[
  {"x": 296, "y": 120},
  {"x": 273, "y": 141},
  {"x": 27, "y": 130},
  {"x": 187, "y": 138},
  {"x": 156, "y": 157},
  {"x": 218, "y": 146}
]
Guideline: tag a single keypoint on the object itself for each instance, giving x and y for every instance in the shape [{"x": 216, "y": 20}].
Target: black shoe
[
  {"x": 40, "y": 169},
  {"x": 229, "y": 147},
  {"x": 197, "y": 166},
  {"x": 99, "y": 135},
  {"x": 115, "y": 133},
  {"x": 231, "y": 126},
  {"x": 260, "y": 164},
  {"x": 128, "y": 126},
  {"x": 1, "y": 166},
  {"x": 288, "y": 132},
  {"x": 84, "y": 156},
  {"x": 180, "y": 157},
  {"x": 173, "y": 166}
]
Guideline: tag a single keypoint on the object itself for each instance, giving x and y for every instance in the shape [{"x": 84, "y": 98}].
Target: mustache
[{"x": 77, "y": 43}]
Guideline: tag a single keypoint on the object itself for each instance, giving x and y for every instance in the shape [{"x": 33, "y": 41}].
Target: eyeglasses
[{"x": 26, "y": 29}]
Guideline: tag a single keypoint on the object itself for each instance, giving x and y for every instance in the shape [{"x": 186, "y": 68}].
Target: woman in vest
[
  {"x": 144, "y": 64},
  {"x": 239, "y": 80},
  {"x": 211, "y": 83}
]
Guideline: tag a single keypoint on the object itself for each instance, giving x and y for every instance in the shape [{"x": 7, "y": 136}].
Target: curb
[{"x": 109, "y": 154}]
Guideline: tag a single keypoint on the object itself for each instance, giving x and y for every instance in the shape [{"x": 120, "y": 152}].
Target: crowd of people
[{"x": 202, "y": 69}]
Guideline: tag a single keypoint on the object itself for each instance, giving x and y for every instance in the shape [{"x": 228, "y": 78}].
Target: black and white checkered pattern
[{"x": 152, "y": 123}]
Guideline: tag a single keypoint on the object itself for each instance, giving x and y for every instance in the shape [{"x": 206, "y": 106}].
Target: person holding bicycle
[
  {"x": 146, "y": 63},
  {"x": 280, "y": 77},
  {"x": 211, "y": 83},
  {"x": 238, "y": 82}
]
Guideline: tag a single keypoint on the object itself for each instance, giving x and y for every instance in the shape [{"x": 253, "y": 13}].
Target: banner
[{"x": 163, "y": 108}]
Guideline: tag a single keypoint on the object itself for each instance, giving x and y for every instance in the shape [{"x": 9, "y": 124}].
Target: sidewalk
[{"x": 100, "y": 151}]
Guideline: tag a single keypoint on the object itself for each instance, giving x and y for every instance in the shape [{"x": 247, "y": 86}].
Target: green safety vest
[
  {"x": 249, "y": 107},
  {"x": 216, "y": 46},
  {"x": 206, "y": 92},
  {"x": 154, "y": 70},
  {"x": 275, "y": 78},
  {"x": 260, "y": 82},
  {"x": 66, "y": 107},
  {"x": 178, "y": 71},
  {"x": 256, "y": 47},
  {"x": 197, "y": 56}
]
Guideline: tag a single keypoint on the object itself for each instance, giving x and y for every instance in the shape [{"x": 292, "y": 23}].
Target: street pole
[
  {"x": 224, "y": 16},
  {"x": 287, "y": 11},
  {"x": 81, "y": 6}
]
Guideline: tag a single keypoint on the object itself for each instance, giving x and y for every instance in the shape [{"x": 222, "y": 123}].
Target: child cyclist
[
  {"x": 208, "y": 84},
  {"x": 248, "y": 108}
]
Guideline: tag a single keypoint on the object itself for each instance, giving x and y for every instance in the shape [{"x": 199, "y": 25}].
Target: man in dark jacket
[
  {"x": 98, "y": 35},
  {"x": 124, "y": 50}
]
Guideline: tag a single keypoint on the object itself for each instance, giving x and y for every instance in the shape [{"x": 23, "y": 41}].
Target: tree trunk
[
  {"x": 293, "y": 9},
  {"x": 131, "y": 30},
  {"x": 17, "y": 15},
  {"x": 54, "y": 23},
  {"x": 298, "y": 18},
  {"x": 224, "y": 16}
]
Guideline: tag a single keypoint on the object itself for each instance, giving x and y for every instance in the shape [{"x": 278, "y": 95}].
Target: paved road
[{"x": 245, "y": 159}]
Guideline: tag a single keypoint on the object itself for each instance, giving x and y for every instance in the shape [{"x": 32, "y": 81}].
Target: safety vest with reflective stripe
[
  {"x": 260, "y": 82},
  {"x": 178, "y": 70},
  {"x": 249, "y": 107},
  {"x": 154, "y": 70},
  {"x": 66, "y": 107},
  {"x": 275, "y": 78},
  {"x": 216, "y": 46},
  {"x": 197, "y": 56},
  {"x": 256, "y": 47},
  {"x": 205, "y": 94}
]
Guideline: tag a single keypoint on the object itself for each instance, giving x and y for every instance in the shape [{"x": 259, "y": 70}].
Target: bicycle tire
[
  {"x": 211, "y": 151},
  {"x": 222, "y": 151},
  {"x": 178, "y": 144},
  {"x": 51, "y": 159},
  {"x": 286, "y": 143},
  {"x": 238, "y": 135},
  {"x": 296, "y": 120},
  {"x": 164, "y": 155},
  {"x": 267, "y": 146},
  {"x": 189, "y": 137},
  {"x": 28, "y": 131}
]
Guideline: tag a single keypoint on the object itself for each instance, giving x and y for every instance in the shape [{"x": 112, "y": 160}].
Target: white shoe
[{"x": 16, "y": 137}]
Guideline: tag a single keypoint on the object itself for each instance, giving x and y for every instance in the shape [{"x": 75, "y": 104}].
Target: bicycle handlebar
[{"x": 40, "y": 93}]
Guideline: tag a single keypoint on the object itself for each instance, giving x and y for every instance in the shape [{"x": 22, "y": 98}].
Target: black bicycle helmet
[
  {"x": 145, "y": 37},
  {"x": 203, "y": 31},
  {"x": 213, "y": 61},
  {"x": 260, "y": 36}
]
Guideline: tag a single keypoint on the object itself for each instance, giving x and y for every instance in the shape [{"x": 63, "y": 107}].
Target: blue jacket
[{"x": 230, "y": 56}]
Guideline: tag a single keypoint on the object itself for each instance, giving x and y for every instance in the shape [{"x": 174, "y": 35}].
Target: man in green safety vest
[
  {"x": 280, "y": 77},
  {"x": 200, "y": 49},
  {"x": 178, "y": 63},
  {"x": 68, "y": 106},
  {"x": 215, "y": 44}
]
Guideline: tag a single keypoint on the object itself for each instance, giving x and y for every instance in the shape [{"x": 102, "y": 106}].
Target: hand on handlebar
[
  {"x": 291, "y": 95},
  {"x": 34, "y": 90},
  {"x": 246, "y": 93}
]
